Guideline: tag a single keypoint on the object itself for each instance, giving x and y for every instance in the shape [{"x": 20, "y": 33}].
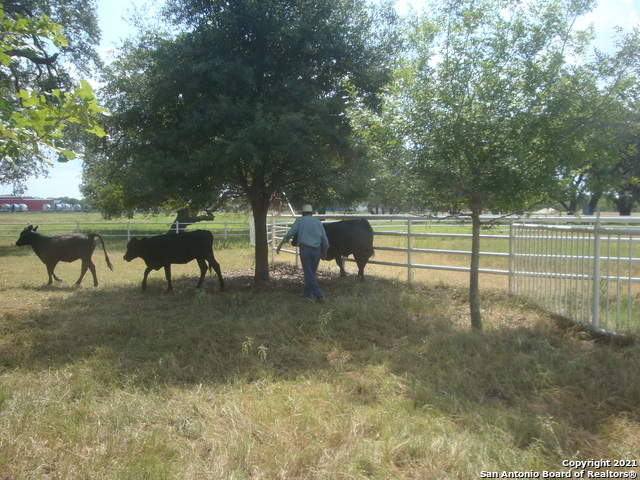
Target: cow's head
[
  {"x": 25, "y": 236},
  {"x": 133, "y": 249}
]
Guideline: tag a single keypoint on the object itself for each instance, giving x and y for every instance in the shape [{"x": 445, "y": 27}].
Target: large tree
[
  {"x": 246, "y": 98},
  {"x": 597, "y": 135},
  {"x": 41, "y": 44},
  {"x": 624, "y": 190},
  {"x": 477, "y": 102}
]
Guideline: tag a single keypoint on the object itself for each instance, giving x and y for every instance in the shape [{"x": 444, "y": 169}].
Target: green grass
[{"x": 383, "y": 381}]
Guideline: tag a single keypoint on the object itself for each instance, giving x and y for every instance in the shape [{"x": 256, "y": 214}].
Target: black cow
[
  {"x": 350, "y": 237},
  {"x": 63, "y": 248},
  {"x": 163, "y": 250}
]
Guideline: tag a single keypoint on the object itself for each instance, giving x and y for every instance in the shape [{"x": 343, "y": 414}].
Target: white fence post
[
  {"x": 511, "y": 257},
  {"x": 409, "y": 252},
  {"x": 252, "y": 231},
  {"x": 595, "y": 314},
  {"x": 273, "y": 238}
]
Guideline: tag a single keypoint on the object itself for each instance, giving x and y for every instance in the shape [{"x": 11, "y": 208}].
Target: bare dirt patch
[{"x": 282, "y": 277}]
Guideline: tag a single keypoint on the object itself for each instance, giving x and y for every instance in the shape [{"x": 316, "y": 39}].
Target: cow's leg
[
  {"x": 88, "y": 264},
  {"x": 202, "y": 263},
  {"x": 92, "y": 268},
  {"x": 50, "y": 268},
  {"x": 216, "y": 266},
  {"x": 340, "y": 262},
  {"x": 361, "y": 262},
  {"x": 83, "y": 270},
  {"x": 144, "y": 279},
  {"x": 167, "y": 274}
]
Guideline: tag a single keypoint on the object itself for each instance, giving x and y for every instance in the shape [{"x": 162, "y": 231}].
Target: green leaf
[{"x": 68, "y": 154}]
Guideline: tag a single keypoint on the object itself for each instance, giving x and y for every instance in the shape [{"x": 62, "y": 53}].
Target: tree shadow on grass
[{"x": 539, "y": 383}]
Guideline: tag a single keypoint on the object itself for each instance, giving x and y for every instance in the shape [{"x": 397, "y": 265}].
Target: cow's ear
[{"x": 35, "y": 228}]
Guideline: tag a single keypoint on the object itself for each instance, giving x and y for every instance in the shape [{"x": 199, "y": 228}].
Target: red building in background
[{"x": 33, "y": 204}]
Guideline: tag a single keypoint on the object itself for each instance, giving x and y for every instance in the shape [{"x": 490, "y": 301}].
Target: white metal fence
[
  {"x": 569, "y": 266},
  {"x": 221, "y": 230},
  {"x": 411, "y": 229},
  {"x": 589, "y": 274}
]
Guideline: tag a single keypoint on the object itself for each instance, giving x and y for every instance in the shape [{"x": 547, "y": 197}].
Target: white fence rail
[{"x": 221, "y": 230}]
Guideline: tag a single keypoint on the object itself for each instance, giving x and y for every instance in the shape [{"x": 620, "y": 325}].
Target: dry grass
[{"x": 383, "y": 381}]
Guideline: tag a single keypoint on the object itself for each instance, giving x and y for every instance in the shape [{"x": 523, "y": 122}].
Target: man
[{"x": 313, "y": 244}]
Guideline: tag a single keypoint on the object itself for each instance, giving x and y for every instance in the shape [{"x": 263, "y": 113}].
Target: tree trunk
[
  {"x": 573, "y": 206},
  {"x": 260, "y": 207},
  {"x": 624, "y": 205},
  {"x": 625, "y": 210},
  {"x": 474, "y": 284},
  {"x": 593, "y": 202}
]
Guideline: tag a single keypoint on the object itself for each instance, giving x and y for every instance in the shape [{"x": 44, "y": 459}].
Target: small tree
[{"x": 477, "y": 104}]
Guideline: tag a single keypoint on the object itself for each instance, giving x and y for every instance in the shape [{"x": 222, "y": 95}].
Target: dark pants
[{"x": 310, "y": 258}]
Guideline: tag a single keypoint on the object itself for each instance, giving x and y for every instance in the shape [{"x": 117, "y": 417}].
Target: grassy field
[{"x": 383, "y": 381}]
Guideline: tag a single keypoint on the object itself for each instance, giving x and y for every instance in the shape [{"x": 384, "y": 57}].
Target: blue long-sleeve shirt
[{"x": 310, "y": 232}]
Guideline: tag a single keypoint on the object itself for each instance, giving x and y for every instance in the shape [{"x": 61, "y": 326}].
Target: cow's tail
[{"x": 106, "y": 257}]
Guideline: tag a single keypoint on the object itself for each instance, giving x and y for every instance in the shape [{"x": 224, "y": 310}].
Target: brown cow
[
  {"x": 63, "y": 248},
  {"x": 163, "y": 250},
  {"x": 350, "y": 237}
]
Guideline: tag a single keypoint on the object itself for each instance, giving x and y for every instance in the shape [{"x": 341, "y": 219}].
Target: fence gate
[{"x": 588, "y": 274}]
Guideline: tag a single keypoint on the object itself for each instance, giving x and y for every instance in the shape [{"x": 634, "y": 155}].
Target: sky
[{"x": 64, "y": 178}]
